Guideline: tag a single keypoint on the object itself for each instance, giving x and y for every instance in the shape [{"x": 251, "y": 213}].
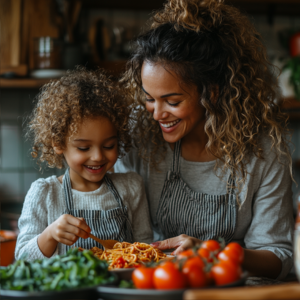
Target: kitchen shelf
[
  {"x": 114, "y": 68},
  {"x": 269, "y": 7},
  {"x": 27, "y": 83},
  {"x": 291, "y": 106}
]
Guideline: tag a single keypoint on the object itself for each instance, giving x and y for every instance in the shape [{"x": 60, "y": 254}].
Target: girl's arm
[
  {"x": 33, "y": 220},
  {"x": 37, "y": 237},
  {"x": 66, "y": 230}
]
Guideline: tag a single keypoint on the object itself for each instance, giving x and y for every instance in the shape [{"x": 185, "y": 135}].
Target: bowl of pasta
[{"x": 125, "y": 257}]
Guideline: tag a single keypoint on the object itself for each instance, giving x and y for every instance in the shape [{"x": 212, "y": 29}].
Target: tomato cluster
[{"x": 209, "y": 263}]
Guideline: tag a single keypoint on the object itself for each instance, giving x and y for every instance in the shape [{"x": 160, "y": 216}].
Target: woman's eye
[
  {"x": 83, "y": 149},
  {"x": 149, "y": 99},
  {"x": 109, "y": 147},
  {"x": 173, "y": 104}
]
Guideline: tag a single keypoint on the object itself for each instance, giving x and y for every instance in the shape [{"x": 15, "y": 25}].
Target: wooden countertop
[{"x": 289, "y": 291}]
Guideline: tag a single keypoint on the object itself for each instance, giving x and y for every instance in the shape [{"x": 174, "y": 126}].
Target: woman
[{"x": 211, "y": 141}]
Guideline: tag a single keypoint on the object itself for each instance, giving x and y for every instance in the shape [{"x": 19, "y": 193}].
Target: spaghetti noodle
[{"x": 126, "y": 255}]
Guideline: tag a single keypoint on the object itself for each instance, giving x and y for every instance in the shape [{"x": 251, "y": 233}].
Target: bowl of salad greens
[{"x": 73, "y": 275}]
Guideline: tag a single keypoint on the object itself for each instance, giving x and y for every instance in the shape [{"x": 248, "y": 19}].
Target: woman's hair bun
[{"x": 198, "y": 15}]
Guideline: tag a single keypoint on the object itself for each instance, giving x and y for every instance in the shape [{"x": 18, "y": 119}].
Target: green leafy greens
[{"x": 72, "y": 270}]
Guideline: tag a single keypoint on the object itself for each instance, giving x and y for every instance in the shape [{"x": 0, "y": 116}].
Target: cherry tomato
[
  {"x": 237, "y": 248},
  {"x": 195, "y": 275},
  {"x": 226, "y": 272},
  {"x": 211, "y": 245},
  {"x": 120, "y": 262},
  {"x": 143, "y": 278},
  {"x": 232, "y": 252},
  {"x": 167, "y": 276},
  {"x": 186, "y": 253},
  {"x": 194, "y": 261},
  {"x": 205, "y": 254}
]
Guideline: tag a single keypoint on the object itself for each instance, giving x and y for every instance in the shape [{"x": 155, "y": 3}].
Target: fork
[{"x": 107, "y": 244}]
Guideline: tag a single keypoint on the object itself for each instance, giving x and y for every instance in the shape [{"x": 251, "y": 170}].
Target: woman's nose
[{"x": 159, "y": 112}]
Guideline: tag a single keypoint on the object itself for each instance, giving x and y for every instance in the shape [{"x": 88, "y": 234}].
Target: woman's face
[{"x": 174, "y": 105}]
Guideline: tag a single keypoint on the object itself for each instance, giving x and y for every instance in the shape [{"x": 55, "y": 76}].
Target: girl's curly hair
[
  {"x": 64, "y": 104},
  {"x": 215, "y": 47}
]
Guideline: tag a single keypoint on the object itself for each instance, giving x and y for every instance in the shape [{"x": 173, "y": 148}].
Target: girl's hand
[
  {"x": 181, "y": 242},
  {"x": 67, "y": 229}
]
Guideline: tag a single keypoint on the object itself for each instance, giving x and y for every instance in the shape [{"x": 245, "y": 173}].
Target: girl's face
[
  {"x": 175, "y": 106},
  {"x": 91, "y": 153}
]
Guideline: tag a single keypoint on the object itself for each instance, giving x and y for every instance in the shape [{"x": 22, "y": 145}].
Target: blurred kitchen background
[{"x": 41, "y": 39}]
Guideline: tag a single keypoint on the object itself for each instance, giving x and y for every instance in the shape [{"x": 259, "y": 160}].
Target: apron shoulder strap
[
  {"x": 68, "y": 190},
  {"x": 113, "y": 190},
  {"x": 176, "y": 157}
]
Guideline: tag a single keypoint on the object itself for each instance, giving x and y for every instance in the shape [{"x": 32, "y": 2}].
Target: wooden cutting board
[{"x": 289, "y": 291}]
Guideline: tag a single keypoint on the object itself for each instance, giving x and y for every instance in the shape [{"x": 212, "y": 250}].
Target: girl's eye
[
  {"x": 110, "y": 147},
  {"x": 83, "y": 149},
  {"x": 173, "y": 104}
]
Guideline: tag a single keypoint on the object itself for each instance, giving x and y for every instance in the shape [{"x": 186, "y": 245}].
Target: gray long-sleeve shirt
[
  {"x": 45, "y": 203},
  {"x": 265, "y": 219}
]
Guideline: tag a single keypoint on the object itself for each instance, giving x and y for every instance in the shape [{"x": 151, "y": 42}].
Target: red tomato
[
  {"x": 143, "y": 278},
  {"x": 211, "y": 245},
  {"x": 236, "y": 248},
  {"x": 226, "y": 272},
  {"x": 120, "y": 262},
  {"x": 195, "y": 275},
  {"x": 194, "y": 261},
  {"x": 233, "y": 252},
  {"x": 295, "y": 44},
  {"x": 167, "y": 277},
  {"x": 205, "y": 254},
  {"x": 186, "y": 253}
]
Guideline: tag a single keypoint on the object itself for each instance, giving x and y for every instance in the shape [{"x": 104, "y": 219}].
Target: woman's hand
[
  {"x": 181, "y": 242},
  {"x": 66, "y": 229}
]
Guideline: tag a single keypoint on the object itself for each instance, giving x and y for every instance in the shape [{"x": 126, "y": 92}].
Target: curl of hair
[
  {"x": 64, "y": 104},
  {"x": 213, "y": 46}
]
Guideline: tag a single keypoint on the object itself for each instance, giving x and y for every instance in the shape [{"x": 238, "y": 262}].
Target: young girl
[{"x": 81, "y": 121}]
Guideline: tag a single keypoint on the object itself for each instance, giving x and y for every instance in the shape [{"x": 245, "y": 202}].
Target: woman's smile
[{"x": 169, "y": 126}]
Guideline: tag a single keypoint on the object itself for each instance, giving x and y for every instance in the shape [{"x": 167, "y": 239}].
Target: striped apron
[
  {"x": 105, "y": 224},
  {"x": 184, "y": 211}
]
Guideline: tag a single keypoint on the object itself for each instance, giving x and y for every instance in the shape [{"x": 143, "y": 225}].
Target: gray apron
[
  {"x": 105, "y": 224},
  {"x": 184, "y": 211}
]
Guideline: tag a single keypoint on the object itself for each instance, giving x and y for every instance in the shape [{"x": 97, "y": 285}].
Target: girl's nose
[
  {"x": 97, "y": 155},
  {"x": 159, "y": 112}
]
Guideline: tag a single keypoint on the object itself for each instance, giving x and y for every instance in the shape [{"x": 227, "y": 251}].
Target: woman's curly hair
[
  {"x": 64, "y": 104},
  {"x": 213, "y": 46}
]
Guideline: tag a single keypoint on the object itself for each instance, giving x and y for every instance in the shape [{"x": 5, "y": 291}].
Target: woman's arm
[{"x": 262, "y": 263}]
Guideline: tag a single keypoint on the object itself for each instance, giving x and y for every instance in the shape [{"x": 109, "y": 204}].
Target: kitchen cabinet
[{"x": 278, "y": 7}]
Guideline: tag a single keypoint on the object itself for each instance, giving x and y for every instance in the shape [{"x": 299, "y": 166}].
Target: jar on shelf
[{"x": 47, "y": 53}]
